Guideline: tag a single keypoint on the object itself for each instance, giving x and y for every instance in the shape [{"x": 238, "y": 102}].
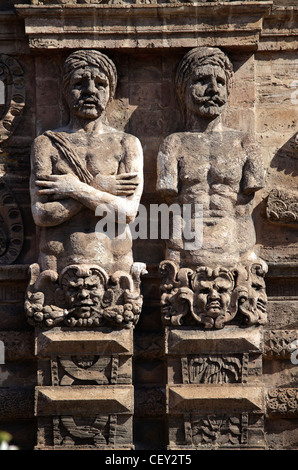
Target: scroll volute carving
[{"x": 13, "y": 95}]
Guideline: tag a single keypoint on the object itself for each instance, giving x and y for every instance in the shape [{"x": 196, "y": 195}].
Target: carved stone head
[
  {"x": 213, "y": 296},
  {"x": 89, "y": 83},
  {"x": 82, "y": 290},
  {"x": 203, "y": 81},
  {"x": 254, "y": 299}
]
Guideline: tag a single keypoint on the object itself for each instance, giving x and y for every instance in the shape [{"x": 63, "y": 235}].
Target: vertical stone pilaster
[
  {"x": 84, "y": 396},
  {"x": 215, "y": 396}
]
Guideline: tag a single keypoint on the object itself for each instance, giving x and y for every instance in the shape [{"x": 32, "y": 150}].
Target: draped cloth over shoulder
[{"x": 68, "y": 152}]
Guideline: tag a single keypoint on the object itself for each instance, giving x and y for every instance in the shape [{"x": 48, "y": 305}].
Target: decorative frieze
[
  {"x": 279, "y": 344},
  {"x": 282, "y": 402}
]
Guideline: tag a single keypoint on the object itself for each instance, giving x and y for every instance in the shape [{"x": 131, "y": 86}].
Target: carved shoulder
[{"x": 41, "y": 151}]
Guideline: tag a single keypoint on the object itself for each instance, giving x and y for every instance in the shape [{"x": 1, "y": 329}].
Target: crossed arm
[{"x": 57, "y": 198}]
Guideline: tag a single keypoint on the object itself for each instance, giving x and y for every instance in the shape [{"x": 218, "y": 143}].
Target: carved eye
[
  {"x": 204, "y": 291},
  {"x": 101, "y": 83},
  {"x": 222, "y": 290},
  {"x": 257, "y": 286}
]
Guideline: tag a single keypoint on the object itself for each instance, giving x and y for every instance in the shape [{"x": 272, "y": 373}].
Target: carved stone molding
[
  {"x": 144, "y": 25},
  {"x": 282, "y": 206},
  {"x": 11, "y": 226},
  {"x": 215, "y": 398},
  {"x": 12, "y": 76}
]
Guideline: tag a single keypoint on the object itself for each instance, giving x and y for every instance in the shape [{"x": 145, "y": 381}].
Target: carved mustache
[{"x": 215, "y": 100}]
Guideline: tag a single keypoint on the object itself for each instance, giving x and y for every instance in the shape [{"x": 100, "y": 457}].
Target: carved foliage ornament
[
  {"x": 282, "y": 206},
  {"x": 84, "y": 296},
  {"x": 12, "y": 78},
  {"x": 11, "y": 226},
  {"x": 213, "y": 297}
]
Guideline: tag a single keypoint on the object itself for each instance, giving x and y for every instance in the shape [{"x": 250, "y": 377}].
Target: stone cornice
[{"x": 186, "y": 25}]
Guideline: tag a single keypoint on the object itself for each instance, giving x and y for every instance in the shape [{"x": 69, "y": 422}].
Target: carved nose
[
  {"x": 83, "y": 294},
  {"x": 213, "y": 85},
  {"x": 213, "y": 295},
  {"x": 90, "y": 87}
]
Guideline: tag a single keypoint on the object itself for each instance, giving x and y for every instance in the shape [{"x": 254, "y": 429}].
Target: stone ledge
[
  {"x": 85, "y": 400},
  {"x": 215, "y": 398},
  {"x": 191, "y": 341},
  {"x": 104, "y": 341},
  {"x": 142, "y": 26}
]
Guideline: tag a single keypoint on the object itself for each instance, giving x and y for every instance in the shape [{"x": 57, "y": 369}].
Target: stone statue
[
  {"x": 79, "y": 173},
  {"x": 212, "y": 167}
]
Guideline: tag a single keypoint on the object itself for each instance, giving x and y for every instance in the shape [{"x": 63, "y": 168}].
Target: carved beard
[
  {"x": 88, "y": 107},
  {"x": 208, "y": 106}
]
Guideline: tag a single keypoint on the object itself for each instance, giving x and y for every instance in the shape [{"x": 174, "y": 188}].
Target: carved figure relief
[
  {"x": 84, "y": 276},
  {"x": 12, "y": 78},
  {"x": 218, "y": 169}
]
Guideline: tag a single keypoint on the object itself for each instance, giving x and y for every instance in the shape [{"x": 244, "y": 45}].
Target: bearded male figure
[
  {"x": 216, "y": 168},
  {"x": 83, "y": 170}
]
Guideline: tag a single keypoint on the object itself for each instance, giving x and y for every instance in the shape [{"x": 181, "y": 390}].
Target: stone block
[
  {"x": 228, "y": 340},
  {"x": 83, "y": 400},
  {"x": 215, "y": 398},
  {"x": 59, "y": 341}
]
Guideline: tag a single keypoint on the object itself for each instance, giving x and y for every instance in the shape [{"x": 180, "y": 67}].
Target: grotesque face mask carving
[
  {"x": 82, "y": 291},
  {"x": 213, "y": 296},
  {"x": 213, "y": 304},
  {"x": 254, "y": 300}
]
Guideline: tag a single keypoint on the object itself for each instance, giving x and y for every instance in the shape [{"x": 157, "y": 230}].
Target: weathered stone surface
[
  {"x": 155, "y": 25},
  {"x": 86, "y": 400},
  {"x": 59, "y": 341},
  {"x": 236, "y": 397},
  {"x": 146, "y": 42},
  {"x": 191, "y": 341},
  {"x": 85, "y": 275}
]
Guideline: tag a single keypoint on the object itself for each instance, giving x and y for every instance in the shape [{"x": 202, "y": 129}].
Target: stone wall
[{"x": 146, "y": 41}]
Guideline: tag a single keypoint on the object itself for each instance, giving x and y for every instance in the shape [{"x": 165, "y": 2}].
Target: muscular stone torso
[
  {"x": 75, "y": 240},
  {"x": 210, "y": 169}
]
